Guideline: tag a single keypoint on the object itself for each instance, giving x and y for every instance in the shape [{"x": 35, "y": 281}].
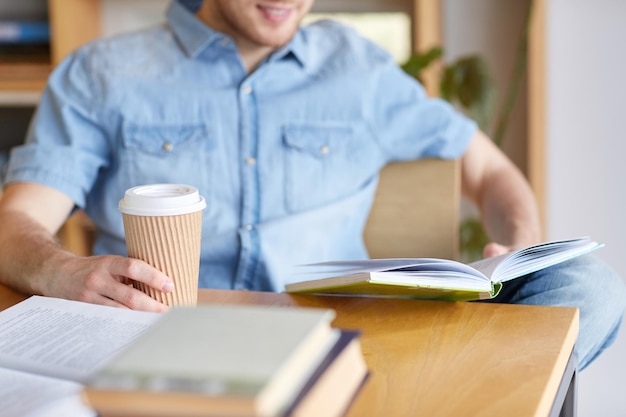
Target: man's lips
[{"x": 275, "y": 14}]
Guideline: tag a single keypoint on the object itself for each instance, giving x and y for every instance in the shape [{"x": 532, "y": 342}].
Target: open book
[
  {"x": 431, "y": 278},
  {"x": 50, "y": 347}
]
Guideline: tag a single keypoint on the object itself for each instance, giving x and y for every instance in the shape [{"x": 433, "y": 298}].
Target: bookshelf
[{"x": 72, "y": 23}]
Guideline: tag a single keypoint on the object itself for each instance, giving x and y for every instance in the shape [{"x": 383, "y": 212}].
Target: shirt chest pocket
[
  {"x": 327, "y": 162},
  {"x": 180, "y": 153},
  {"x": 167, "y": 140}
]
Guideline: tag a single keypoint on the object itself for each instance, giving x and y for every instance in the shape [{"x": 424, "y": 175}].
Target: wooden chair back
[{"x": 416, "y": 211}]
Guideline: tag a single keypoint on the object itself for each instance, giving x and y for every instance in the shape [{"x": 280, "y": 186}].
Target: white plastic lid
[{"x": 161, "y": 200}]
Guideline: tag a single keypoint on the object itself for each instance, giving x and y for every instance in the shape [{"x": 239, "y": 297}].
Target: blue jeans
[{"x": 584, "y": 282}]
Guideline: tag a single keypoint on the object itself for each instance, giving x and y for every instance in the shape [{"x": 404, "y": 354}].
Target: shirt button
[
  {"x": 248, "y": 227},
  {"x": 247, "y": 89},
  {"x": 167, "y": 147},
  {"x": 250, "y": 161},
  {"x": 224, "y": 41},
  {"x": 324, "y": 150}
]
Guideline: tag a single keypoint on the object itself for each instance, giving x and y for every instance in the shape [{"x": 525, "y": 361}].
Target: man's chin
[{"x": 275, "y": 41}]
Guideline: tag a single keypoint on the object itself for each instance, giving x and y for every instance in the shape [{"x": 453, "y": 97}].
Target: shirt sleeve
[
  {"x": 411, "y": 125},
  {"x": 65, "y": 145}
]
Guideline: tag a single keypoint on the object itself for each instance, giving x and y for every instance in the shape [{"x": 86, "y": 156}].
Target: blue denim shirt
[{"x": 287, "y": 157}]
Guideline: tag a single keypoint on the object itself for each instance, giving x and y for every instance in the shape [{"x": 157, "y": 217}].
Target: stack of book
[
  {"x": 73, "y": 359},
  {"x": 220, "y": 360},
  {"x": 233, "y": 361},
  {"x": 24, "y": 40}
]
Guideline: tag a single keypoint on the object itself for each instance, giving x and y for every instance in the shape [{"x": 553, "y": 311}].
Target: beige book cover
[{"x": 217, "y": 360}]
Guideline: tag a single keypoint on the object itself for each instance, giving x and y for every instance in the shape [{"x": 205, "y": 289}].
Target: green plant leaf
[
  {"x": 467, "y": 82},
  {"x": 473, "y": 239},
  {"x": 419, "y": 61}
]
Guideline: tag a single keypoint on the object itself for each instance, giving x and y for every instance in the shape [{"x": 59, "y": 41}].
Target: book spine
[{"x": 16, "y": 32}]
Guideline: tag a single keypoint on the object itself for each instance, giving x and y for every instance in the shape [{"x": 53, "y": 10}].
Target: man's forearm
[
  {"x": 509, "y": 210},
  {"x": 28, "y": 250}
]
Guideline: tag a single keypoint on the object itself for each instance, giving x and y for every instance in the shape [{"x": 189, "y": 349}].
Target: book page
[
  {"x": 524, "y": 261},
  {"x": 335, "y": 268},
  {"x": 66, "y": 339},
  {"x": 28, "y": 395},
  {"x": 488, "y": 265}
]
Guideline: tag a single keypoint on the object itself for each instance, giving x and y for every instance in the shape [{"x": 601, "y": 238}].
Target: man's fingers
[
  {"x": 107, "y": 283},
  {"x": 106, "y": 301},
  {"x": 494, "y": 249},
  {"x": 140, "y": 271},
  {"x": 127, "y": 296}
]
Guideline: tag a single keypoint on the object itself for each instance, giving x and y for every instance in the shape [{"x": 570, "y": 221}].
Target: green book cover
[{"x": 432, "y": 278}]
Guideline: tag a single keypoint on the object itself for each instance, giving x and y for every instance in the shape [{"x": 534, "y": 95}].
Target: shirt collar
[
  {"x": 296, "y": 48},
  {"x": 194, "y": 36}
]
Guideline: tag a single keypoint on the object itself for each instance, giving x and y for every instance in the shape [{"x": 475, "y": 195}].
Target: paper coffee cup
[{"x": 163, "y": 227}]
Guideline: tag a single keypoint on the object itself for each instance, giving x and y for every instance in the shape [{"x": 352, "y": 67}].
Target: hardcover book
[
  {"x": 432, "y": 278},
  {"x": 215, "y": 360}
]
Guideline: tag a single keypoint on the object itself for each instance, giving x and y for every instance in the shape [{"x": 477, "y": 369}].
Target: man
[{"x": 283, "y": 130}]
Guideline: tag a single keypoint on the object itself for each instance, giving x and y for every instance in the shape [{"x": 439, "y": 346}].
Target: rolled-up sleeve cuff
[{"x": 58, "y": 167}]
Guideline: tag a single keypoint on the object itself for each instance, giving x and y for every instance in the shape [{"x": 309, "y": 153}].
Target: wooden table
[{"x": 430, "y": 358}]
